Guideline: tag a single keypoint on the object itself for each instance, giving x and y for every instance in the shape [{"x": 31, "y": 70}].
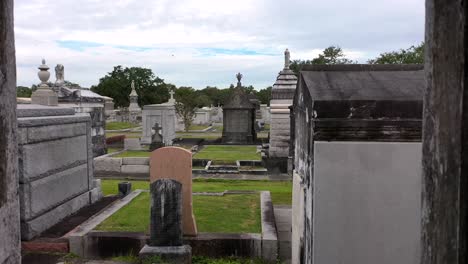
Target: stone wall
[
  {"x": 56, "y": 173},
  {"x": 9, "y": 205}
]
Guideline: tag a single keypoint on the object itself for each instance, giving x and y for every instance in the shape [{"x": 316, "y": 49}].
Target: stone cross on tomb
[{"x": 172, "y": 94}]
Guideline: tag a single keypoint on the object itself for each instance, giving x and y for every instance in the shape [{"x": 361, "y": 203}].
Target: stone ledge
[
  {"x": 34, "y": 110},
  {"x": 52, "y": 120},
  {"x": 176, "y": 255},
  {"x": 269, "y": 232}
]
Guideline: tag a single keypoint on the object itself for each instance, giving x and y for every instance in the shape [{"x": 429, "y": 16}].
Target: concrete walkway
[{"x": 283, "y": 216}]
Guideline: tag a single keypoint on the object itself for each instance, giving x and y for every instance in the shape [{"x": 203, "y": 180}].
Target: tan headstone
[{"x": 176, "y": 164}]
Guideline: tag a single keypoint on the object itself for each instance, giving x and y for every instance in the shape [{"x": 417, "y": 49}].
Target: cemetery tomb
[
  {"x": 239, "y": 117},
  {"x": 56, "y": 175},
  {"x": 282, "y": 94},
  {"x": 165, "y": 116},
  {"x": 357, "y": 164}
]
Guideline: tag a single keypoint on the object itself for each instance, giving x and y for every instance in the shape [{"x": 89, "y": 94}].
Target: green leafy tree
[
  {"x": 117, "y": 84},
  {"x": 412, "y": 55},
  {"x": 22, "y": 91},
  {"x": 330, "y": 55},
  {"x": 186, "y": 105},
  {"x": 264, "y": 95}
]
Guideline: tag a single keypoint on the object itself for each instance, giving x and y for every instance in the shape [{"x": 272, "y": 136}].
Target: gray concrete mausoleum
[{"x": 357, "y": 164}]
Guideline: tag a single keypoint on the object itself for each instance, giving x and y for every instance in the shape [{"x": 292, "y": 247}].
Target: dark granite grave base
[
  {"x": 176, "y": 255},
  {"x": 276, "y": 165}
]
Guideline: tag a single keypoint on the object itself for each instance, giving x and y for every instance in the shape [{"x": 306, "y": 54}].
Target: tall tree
[
  {"x": 330, "y": 55},
  {"x": 117, "y": 84},
  {"x": 186, "y": 105},
  {"x": 412, "y": 55}
]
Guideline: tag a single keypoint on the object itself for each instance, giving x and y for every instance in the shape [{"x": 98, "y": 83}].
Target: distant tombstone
[
  {"x": 176, "y": 163},
  {"x": 156, "y": 138}
]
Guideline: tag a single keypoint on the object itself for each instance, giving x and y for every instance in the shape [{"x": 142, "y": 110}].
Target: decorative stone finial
[
  {"x": 287, "y": 59},
  {"x": 43, "y": 74},
  {"x": 44, "y": 95},
  {"x": 239, "y": 78}
]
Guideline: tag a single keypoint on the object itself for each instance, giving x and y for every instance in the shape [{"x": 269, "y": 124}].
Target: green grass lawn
[
  {"x": 133, "y": 154},
  {"x": 127, "y": 135},
  {"x": 198, "y": 127},
  {"x": 204, "y": 135},
  {"x": 113, "y": 150},
  {"x": 228, "y": 154},
  {"x": 227, "y": 214},
  {"x": 119, "y": 125},
  {"x": 281, "y": 191}
]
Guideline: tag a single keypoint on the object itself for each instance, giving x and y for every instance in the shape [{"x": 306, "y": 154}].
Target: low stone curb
[{"x": 76, "y": 236}]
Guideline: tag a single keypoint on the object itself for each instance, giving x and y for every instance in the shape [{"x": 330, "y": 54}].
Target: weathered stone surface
[
  {"x": 445, "y": 137},
  {"x": 135, "y": 161},
  {"x": 176, "y": 163},
  {"x": 54, "y": 132},
  {"x": 106, "y": 164},
  {"x": 34, "y": 227},
  {"x": 166, "y": 213},
  {"x": 9, "y": 204},
  {"x": 135, "y": 169},
  {"x": 52, "y": 120},
  {"x": 132, "y": 144},
  {"x": 43, "y": 194},
  {"x": 355, "y": 103},
  {"x": 269, "y": 232},
  {"x": 170, "y": 255},
  {"x": 367, "y": 198},
  {"x": 46, "y": 157},
  {"x": 42, "y": 110}
]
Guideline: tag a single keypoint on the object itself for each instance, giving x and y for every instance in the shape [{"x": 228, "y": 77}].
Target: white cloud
[{"x": 174, "y": 36}]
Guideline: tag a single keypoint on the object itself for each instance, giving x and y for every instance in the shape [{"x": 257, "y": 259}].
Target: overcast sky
[{"x": 204, "y": 42}]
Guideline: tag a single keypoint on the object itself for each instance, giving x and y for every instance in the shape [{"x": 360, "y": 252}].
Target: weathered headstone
[
  {"x": 176, "y": 163},
  {"x": 166, "y": 224},
  {"x": 166, "y": 213}
]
